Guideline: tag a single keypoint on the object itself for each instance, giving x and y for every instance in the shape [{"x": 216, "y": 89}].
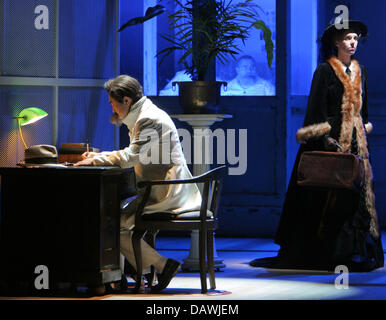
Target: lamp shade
[
  {"x": 27, "y": 116},
  {"x": 31, "y": 115}
]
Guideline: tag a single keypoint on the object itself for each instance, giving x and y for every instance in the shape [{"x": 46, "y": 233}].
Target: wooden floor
[{"x": 239, "y": 281}]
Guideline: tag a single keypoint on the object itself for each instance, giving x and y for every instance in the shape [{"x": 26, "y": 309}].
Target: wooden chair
[{"x": 204, "y": 220}]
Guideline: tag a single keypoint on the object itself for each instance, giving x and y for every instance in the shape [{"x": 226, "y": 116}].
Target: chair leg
[
  {"x": 136, "y": 240},
  {"x": 150, "y": 239},
  {"x": 210, "y": 252},
  {"x": 202, "y": 258}
]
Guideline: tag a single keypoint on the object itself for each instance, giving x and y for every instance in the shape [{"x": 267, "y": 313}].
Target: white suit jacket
[{"x": 155, "y": 153}]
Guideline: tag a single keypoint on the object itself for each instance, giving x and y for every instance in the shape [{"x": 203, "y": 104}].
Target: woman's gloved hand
[{"x": 330, "y": 144}]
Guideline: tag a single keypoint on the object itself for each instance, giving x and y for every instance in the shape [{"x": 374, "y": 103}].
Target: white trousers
[{"x": 149, "y": 255}]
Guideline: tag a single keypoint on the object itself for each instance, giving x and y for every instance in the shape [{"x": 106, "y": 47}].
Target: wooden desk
[{"x": 67, "y": 219}]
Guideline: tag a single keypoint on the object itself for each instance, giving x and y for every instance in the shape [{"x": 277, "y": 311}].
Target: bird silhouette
[{"x": 150, "y": 13}]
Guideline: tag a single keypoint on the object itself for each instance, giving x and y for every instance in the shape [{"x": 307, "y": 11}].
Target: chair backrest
[
  {"x": 212, "y": 189},
  {"x": 215, "y": 174},
  {"x": 212, "y": 181}
]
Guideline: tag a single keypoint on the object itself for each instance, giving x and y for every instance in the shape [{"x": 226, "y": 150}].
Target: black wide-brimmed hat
[
  {"x": 327, "y": 40},
  {"x": 355, "y": 25}
]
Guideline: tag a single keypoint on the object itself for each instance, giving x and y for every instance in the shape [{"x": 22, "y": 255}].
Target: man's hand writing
[
  {"x": 86, "y": 155},
  {"x": 84, "y": 162}
]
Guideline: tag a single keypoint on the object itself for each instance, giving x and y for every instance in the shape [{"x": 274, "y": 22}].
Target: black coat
[{"x": 321, "y": 228}]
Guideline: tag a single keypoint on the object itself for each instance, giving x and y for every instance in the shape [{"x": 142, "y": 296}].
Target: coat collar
[
  {"x": 133, "y": 114},
  {"x": 340, "y": 69},
  {"x": 351, "y": 100}
]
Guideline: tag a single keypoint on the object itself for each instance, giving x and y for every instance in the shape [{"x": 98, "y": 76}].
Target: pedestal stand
[{"x": 202, "y": 122}]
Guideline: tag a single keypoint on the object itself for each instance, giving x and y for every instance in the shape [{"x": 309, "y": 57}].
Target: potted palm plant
[{"x": 205, "y": 31}]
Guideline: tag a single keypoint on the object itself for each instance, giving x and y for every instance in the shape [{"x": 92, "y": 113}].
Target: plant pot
[{"x": 199, "y": 96}]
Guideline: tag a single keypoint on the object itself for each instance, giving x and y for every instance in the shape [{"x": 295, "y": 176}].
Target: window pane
[
  {"x": 84, "y": 115},
  {"x": 27, "y": 38},
  {"x": 249, "y": 74},
  {"x": 303, "y": 45},
  {"x": 169, "y": 70},
  {"x": 86, "y": 39},
  {"x": 157, "y": 78}
]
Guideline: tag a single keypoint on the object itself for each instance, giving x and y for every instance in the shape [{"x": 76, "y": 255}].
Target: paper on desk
[{"x": 48, "y": 165}]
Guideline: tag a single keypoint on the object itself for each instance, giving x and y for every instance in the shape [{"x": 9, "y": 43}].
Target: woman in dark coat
[{"x": 323, "y": 228}]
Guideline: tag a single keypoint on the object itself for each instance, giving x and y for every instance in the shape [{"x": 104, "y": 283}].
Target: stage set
[
  {"x": 55, "y": 57},
  {"x": 239, "y": 281}
]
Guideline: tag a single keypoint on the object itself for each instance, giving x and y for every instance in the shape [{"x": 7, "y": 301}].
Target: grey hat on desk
[{"x": 40, "y": 154}]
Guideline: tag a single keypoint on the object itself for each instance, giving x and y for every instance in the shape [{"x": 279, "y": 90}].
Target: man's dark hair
[{"x": 124, "y": 86}]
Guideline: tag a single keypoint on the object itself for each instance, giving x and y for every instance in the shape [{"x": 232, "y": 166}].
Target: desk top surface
[
  {"x": 125, "y": 177},
  {"x": 61, "y": 169}
]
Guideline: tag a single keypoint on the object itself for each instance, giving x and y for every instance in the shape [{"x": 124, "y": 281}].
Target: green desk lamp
[{"x": 28, "y": 116}]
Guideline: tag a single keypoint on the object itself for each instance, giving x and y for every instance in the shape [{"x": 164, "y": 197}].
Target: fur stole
[{"x": 351, "y": 118}]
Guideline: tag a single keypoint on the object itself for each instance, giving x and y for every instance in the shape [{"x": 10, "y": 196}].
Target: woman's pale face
[
  {"x": 348, "y": 44},
  {"x": 121, "y": 109}
]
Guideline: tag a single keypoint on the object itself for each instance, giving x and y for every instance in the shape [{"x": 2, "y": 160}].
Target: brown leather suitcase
[{"x": 331, "y": 170}]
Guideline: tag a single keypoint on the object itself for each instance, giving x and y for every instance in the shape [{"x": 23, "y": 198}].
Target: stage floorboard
[{"x": 239, "y": 281}]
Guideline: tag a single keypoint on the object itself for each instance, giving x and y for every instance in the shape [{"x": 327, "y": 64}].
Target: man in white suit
[{"x": 155, "y": 153}]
